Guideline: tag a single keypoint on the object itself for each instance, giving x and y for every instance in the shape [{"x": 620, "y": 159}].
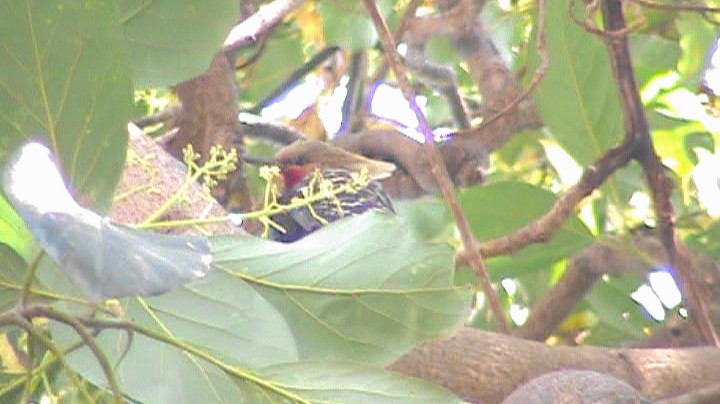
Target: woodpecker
[{"x": 307, "y": 166}]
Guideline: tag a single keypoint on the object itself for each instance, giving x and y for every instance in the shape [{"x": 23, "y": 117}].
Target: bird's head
[{"x": 302, "y": 157}]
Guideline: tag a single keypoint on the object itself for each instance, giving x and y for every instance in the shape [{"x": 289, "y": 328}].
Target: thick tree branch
[{"x": 485, "y": 367}]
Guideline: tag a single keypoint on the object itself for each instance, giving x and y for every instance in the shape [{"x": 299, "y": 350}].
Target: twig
[
  {"x": 19, "y": 319},
  {"x": 381, "y": 71},
  {"x": 355, "y": 89},
  {"x": 265, "y": 130},
  {"x": 88, "y": 339},
  {"x": 675, "y": 6},
  {"x": 29, "y": 277},
  {"x": 437, "y": 166},
  {"x": 161, "y": 116},
  {"x": 604, "y": 34},
  {"x": 541, "y": 229}
]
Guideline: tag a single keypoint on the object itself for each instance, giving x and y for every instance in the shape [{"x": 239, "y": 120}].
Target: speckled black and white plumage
[{"x": 300, "y": 222}]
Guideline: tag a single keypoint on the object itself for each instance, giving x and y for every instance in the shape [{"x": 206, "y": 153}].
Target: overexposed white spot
[
  {"x": 330, "y": 107},
  {"x": 236, "y": 219},
  {"x": 567, "y": 168},
  {"x": 706, "y": 176},
  {"x": 509, "y": 285},
  {"x": 519, "y": 314},
  {"x": 295, "y": 101},
  {"x": 645, "y": 296},
  {"x": 664, "y": 286}
]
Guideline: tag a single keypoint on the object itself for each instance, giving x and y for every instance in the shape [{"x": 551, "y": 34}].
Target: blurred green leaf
[
  {"x": 620, "y": 317},
  {"x": 169, "y": 41},
  {"x": 675, "y": 139},
  {"x": 506, "y": 29},
  {"x": 284, "y": 55},
  {"x": 707, "y": 240},
  {"x": 13, "y": 232},
  {"x": 652, "y": 55},
  {"x": 499, "y": 209},
  {"x": 440, "y": 50},
  {"x": 697, "y": 36},
  {"x": 362, "y": 289},
  {"x": 438, "y": 111},
  {"x": 12, "y": 272},
  {"x": 63, "y": 74},
  {"x": 346, "y": 25},
  {"x": 578, "y": 99}
]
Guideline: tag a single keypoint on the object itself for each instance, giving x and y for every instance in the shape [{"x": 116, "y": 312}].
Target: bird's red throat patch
[{"x": 293, "y": 175}]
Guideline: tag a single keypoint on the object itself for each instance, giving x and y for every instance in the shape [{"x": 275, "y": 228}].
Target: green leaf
[
  {"x": 707, "y": 240},
  {"x": 169, "y": 41},
  {"x": 220, "y": 316},
  {"x": 345, "y": 23},
  {"x": 284, "y": 55},
  {"x": 339, "y": 382},
  {"x": 12, "y": 272},
  {"x": 696, "y": 40},
  {"x": 578, "y": 99},
  {"x": 506, "y": 29},
  {"x": 362, "y": 289},
  {"x": 429, "y": 219},
  {"x": 620, "y": 317},
  {"x": 674, "y": 139},
  {"x": 500, "y": 209},
  {"x": 440, "y": 50},
  {"x": 63, "y": 73},
  {"x": 346, "y": 26},
  {"x": 652, "y": 55},
  {"x": 13, "y": 232}
]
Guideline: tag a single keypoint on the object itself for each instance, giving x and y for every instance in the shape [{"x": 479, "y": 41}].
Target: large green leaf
[
  {"x": 339, "y": 382},
  {"x": 220, "y": 316},
  {"x": 169, "y": 41},
  {"x": 500, "y": 209},
  {"x": 578, "y": 99},
  {"x": 63, "y": 73},
  {"x": 362, "y": 289}
]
